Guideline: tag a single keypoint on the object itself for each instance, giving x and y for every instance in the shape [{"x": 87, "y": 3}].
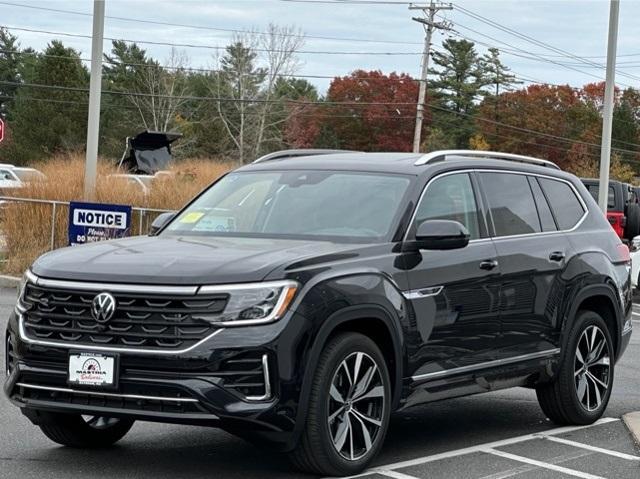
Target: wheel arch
[
  {"x": 371, "y": 320},
  {"x": 601, "y": 299}
]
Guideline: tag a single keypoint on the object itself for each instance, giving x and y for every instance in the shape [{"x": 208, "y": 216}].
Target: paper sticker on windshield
[
  {"x": 216, "y": 223},
  {"x": 191, "y": 217}
]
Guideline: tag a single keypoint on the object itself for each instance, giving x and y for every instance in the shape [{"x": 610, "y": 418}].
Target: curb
[
  {"x": 632, "y": 421},
  {"x": 7, "y": 281}
]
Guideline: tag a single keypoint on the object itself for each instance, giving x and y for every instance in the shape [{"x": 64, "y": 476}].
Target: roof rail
[
  {"x": 442, "y": 154},
  {"x": 276, "y": 155}
]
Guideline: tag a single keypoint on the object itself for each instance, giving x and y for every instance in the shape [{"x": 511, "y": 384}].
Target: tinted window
[
  {"x": 511, "y": 204},
  {"x": 544, "y": 212},
  {"x": 611, "y": 199},
  {"x": 565, "y": 205},
  {"x": 450, "y": 198}
]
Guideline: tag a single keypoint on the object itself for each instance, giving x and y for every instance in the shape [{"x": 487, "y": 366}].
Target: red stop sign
[{"x": 1, "y": 129}]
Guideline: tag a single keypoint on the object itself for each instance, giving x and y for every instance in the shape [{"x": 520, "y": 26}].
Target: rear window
[
  {"x": 511, "y": 204},
  {"x": 564, "y": 203},
  {"x": 611, "y": 200}
]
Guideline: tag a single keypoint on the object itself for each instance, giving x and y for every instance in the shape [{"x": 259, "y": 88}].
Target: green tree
[
  {"x": 9, "y": 70},
  {"x": 239, "y": 79},
  {"x": 460, "y": 77},
  {"x": 49, "y": 120}
]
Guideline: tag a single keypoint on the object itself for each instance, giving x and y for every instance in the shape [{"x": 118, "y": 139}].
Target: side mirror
[
  {"x": 441, "y": 235},
  {"x": 161, "y": 221}
]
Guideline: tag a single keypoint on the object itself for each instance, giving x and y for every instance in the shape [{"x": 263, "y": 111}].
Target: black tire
[
  {"x": 563, "y": 400},
  {"x": 88, "y": 432},
  {"x": 316, "y": 451},
  {"x": 632, "y": 226}
]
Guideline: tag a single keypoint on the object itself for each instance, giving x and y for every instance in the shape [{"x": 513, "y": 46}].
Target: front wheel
[
  {"x": 78, "y": 431},
  {"x": 581, "y": 391},
  {"x": 349, "y": 408}
]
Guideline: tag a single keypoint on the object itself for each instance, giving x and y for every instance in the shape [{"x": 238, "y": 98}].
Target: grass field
[{"x": 27, "y": 227}]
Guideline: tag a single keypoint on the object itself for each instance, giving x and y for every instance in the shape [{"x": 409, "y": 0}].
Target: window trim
[
  {"x": 480, "y": 203},
  {"x": 475, "y": 187}
]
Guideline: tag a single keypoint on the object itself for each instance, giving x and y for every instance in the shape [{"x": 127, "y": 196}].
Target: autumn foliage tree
[{"x": 367, "y": 111}]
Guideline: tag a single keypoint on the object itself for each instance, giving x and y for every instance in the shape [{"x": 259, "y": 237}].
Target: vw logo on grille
[{"x": 102, "y": 307}]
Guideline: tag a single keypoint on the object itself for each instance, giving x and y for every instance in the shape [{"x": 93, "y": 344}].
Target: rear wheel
[
  {"x": 349, "y": 408},
  {"x": 581, "y": 391},
  {"x": 78, "y": 431}
]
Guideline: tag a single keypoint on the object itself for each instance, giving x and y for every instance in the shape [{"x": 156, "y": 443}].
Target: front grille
[{"x": 147, "y": 321}]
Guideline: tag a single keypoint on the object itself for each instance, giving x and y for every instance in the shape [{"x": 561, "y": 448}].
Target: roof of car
[{"x": 403, "y": 163}]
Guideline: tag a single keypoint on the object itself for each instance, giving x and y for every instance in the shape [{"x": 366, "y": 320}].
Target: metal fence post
[{"x": 53, "y": 225}]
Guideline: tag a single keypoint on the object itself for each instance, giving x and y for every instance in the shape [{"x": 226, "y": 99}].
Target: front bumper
[{"x": 234, "y": 380}]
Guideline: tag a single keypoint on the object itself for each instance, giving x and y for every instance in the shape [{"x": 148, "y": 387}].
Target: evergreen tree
[
  {"x": 239, "y": 79},
  {"x": 459, "y": 81},
  {"x": 48, "y": 120},
  {"x": 9, "y": 69},
  {"x": 497, "y": 77}
]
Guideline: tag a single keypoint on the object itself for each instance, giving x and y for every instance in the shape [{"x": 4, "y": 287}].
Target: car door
[
  {"x": 454, "y": 293},
  {"x": 532, "y": 252}
]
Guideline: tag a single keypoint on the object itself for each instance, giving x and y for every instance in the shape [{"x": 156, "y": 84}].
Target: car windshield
[
  {"x": 327, "y": 205},
  {"x": 28, "y": 175}
]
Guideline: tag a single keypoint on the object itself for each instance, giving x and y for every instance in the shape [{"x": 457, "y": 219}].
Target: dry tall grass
[{"x": 27, "y": 227}]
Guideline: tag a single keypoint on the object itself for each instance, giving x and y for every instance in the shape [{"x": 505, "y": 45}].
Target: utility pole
[
  {"x": 95, "y": 90},
  {"x": 607, "y": 114},
  {"x": 430, "y": 12}
]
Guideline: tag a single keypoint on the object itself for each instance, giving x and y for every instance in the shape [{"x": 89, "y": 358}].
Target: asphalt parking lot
[{"x": 495, "y": 435}]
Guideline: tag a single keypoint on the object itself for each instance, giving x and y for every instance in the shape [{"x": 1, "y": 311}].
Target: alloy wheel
[
  {"x": 356, "y": 406},
  {"x": 592, "y": 368}
]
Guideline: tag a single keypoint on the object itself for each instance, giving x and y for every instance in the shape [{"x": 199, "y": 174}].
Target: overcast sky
[{"x": 578, "y": 26}]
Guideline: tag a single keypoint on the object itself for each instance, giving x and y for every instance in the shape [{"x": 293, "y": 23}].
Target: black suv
[{"x": 301, "y": 299}]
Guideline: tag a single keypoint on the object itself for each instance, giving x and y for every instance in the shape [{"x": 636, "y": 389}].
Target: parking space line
[
  {"x": 394, "y": 474},
  {"x": 480, "y": 447},
  {"x": 544, "y": 465},
  {"x": 581, "y": 445}
]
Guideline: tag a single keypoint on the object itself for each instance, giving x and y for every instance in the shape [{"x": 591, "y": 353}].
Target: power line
[
  {"x": 535, "y": 41},
  {"x": 212, "y": 47},
  {"x": 203, "y": 27}
]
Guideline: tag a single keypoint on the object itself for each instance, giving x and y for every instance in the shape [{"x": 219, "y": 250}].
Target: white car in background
[
  {"x": 142, "y": 182},
  {"x": 8, "y": 178},
  {"x": 28, "y": 175}
]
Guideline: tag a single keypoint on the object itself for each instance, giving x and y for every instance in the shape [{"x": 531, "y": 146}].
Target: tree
[
  {"x": 533, "y": 121},
  {"x": 49, "y": 120},
  {"x": 497, "y": 76},
  {"x": 458, "y": 83},
  {"x": 239, "y": 80},
  {"x": 378, "y": 114},
  {"x": 280, "y": 45},
  {"x": 9, "y": 69}
]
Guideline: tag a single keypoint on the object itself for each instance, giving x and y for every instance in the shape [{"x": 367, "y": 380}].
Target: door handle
[
  {"x": 556, "y": 256},
  {"x": 489, "y": 264}
]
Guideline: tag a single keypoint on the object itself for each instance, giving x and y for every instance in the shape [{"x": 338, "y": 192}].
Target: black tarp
[{"x": 148, "y": 152}]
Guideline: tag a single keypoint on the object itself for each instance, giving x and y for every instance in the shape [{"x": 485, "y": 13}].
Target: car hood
[{"x": 180, "y": 260}]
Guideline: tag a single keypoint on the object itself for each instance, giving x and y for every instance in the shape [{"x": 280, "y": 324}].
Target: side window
[
  {"x": 565, "y": 205},
  {"x": 450, "y": 197},
  {"x": 511, "y": 204},
  {"x": 544, "y": 212}
]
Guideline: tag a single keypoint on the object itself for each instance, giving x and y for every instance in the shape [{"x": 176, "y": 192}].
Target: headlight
[
  {"x": 252, "y": 303},
  {"x": 26, "y": 277}
]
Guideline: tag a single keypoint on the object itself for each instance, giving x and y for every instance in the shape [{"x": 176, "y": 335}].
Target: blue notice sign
[{"x": 90, "y": 222}]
